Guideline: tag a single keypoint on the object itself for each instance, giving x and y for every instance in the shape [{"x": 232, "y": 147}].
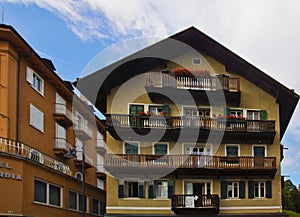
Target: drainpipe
[{"x": 18, "y": 99}]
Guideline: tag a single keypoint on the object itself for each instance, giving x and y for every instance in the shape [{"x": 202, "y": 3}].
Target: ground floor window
[
  {"x": 131, "y": 189},
  {"x": 260, "y": 189},
  {"x": 160, "y": 189},
  {"x": 98, "y": 207},
  {"x": 75, "y": 201},
  {"x": 47, "y": 193},
  {"x": 232, "y": 189}
]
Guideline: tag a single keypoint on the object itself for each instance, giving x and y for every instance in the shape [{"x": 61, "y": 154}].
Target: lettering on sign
[{"x": 8, "y": 175}]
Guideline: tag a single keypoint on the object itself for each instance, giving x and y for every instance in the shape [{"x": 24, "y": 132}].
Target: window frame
[
  {"x": 259, "y": 189},
  {"x": 32, "y": 77},
  {"x": 164, "y": 189},
  {"x": 47, "y": 202},
  {"x": 196, "y": 63},
  {"x": 234, "y": 191},
  {"x": 130, "y": 142},
  {"x": 31, "y": 118},
  {"x": 78, "y": 201},
  {"x": 160, "y": 143}
]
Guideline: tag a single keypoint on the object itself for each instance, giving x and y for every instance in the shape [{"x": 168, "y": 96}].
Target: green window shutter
[
  {"x": 134, "y": 109},
  {"x": 223, "y": 189},
  {"x": 171, "y": 186},
  {"x": 263, "y": 115},
  {"x": 268, "y": 189},
  {"x": 226, "y": 111},
  {"x": 166, "y": 109},
  {"x": 151, "y": 193},
  {"x": 121, "y": 189},
  {"x": 242, "y": 189},
  {"x": 250, "y": 189},
  {"x": 141, "y": 190}
]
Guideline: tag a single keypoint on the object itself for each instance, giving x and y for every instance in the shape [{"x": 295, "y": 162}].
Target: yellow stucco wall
[{"x": 252, "y": 97}]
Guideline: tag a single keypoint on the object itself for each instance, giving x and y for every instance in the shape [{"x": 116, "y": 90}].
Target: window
[
  {"x": 75, "y": 201},
  {"x": 196, "y": 61},
  {"x": 98, "y": 207},
  {"x": 131, "y": 189},
  {"x": 36, "y": 118},
  {"x": 131, "y": 148},
  {"x": 78, "y": 176},
  {"x": 160, "y": 189},
  {"x": 47, "y": 193},
  {"x": 259, "y": 189},
  {"x": 232, "y": 190},
  {"x": 36, "y": 81},
  {"x": 161, "y": 149},
  {"x": 232, "y": 151},
  {"x": 236, "y": 113}
]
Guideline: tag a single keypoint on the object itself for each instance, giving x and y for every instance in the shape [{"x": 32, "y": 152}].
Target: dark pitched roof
[{"x": 134, "y": 64}]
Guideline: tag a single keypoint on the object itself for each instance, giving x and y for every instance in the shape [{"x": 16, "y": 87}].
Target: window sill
[
  {"x": 41, "y": 93},
  {"x": 261, "y": 198},
  {"x": 131, "y": 198},
  {"x": 45, "y": 204},
  {"x": 164, "y": 199},
  {"x": 234, "y": 198}
]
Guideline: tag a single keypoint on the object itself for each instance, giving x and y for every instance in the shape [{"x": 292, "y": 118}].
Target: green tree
[{"x": 290, "y": 196}]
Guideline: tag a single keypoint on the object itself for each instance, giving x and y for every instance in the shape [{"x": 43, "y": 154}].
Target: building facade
[
  {"x": 41, "y": 122},
  {"x": 196, "y": 132}
]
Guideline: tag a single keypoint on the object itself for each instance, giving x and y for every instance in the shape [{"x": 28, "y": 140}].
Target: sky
[{"x": 71, "y": 33}]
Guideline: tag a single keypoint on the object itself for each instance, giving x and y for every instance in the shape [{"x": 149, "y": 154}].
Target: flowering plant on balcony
[
  {"x": 191, "y": 72},
  {"x": 144, "y": 113},
  {"x": 233, "y": 118}
]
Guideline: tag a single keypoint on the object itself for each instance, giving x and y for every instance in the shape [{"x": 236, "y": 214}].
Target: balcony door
[
  {"x": 134, "y": 110},
  {"x": 197, "y": 188},
  {"x": 60, "y": 140},
  {"x": 259, "y": 153}
]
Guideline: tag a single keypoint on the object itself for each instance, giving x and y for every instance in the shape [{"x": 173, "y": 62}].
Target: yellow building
[
  {"x": 41, "y": 121},
  {"x": 192, "y": 128}
]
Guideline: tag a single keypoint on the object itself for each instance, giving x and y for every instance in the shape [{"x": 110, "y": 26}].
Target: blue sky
[{"x": 71, "y": 33}]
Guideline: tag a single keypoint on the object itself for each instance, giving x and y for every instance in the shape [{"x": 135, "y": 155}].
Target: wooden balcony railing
[
  {"x": 158, "y": 79},
  {"x": 196, "y": 201},
  {"x": 188, "y": 161},
  {"x": 170, "y": 122},
  {"x": 20, "y": 149}
]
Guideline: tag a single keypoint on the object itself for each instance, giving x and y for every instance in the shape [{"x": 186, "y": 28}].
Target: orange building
[{"x": 41, "y": 121}]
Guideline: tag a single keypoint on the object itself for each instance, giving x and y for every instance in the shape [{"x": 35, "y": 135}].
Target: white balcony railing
[
  {"x": 62, "y": 143},
  {"x": 20, "y": 149},
  {"x": 88, "y": 159},
  {"x": 82, "y": 126},
  {"x": 61, "y": 109}
]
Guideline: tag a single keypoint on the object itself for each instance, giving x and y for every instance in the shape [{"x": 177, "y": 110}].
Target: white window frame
[
  {"x": 48, "y": 193},
  {"x": 231, "y": 145},
  {"x": 77, "y": 201},
  {"x": 31, "y": 77},
  {"x": 164, "y": 191},
  {"x": 196, "y": 58},
  {"x": 265, "y": 146},
  {"x": 138, "y": 144},
  {"x": 160, "y": 143},
  {"x": 126, "y": 188},
  {"x": 36, "y": 122},
  {"x": 233, "y": 190},
  {"x": 259, "y": 189}
]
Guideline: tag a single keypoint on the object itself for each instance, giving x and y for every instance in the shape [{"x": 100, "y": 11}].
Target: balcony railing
[
  {"x": 88, "y": 159},
  {"x": 20, "y": 149},
  {"x": 62, "y": 143},
  {"x": 137, "y": 121},
  {"x": 63, "y": 114},
  {"x": 83, "y": 130},
  {"x": 188, "y": 161},
  {"x": 158, "y": 79},
  {"x": 195, "y": 201}
]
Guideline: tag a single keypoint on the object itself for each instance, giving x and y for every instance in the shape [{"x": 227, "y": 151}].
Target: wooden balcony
[
  {"x": 63, "y": 115},
  {"x": 190, "y": 166},
  {"x": 204, "y": 90},
  {"x": 195, "y": 204},
  {"x": 61, "y": 146},
  {"x": 231, "y": 131}
]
